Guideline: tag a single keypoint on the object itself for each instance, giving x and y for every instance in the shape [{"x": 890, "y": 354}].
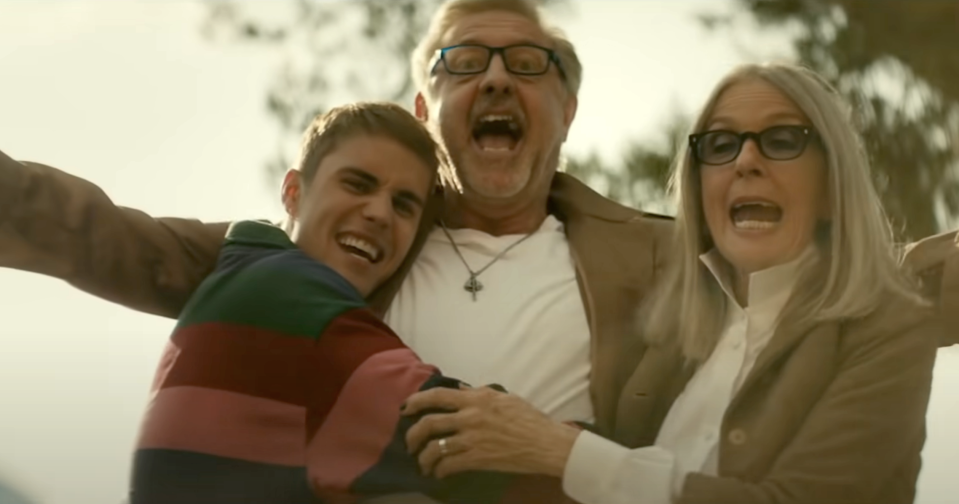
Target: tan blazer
[
  {"x": 831, "y": 413},
  {"x": 59, "y": 225},
  {"x": 936, "y": 260}
]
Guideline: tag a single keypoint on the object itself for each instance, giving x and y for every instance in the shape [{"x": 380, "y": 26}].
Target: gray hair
[
  {"x": 452, "y": 12},
  {"x": 860, "y": 264}
]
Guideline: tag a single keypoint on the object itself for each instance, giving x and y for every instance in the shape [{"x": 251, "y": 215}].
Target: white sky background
[{"x": 128, "y": 95}]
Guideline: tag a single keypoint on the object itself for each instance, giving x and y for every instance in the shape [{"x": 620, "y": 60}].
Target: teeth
[
  {"x": 753, "y": 224},
  {"x": 758, "y": 203},
  {"x": 503, "y": 120},
  {"x": 365, "y": 246},
  {"x": 513, "y": 126}
]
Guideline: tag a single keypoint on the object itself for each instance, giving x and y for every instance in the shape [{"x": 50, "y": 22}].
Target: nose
[
  {"x": 750, "y": 161},
  {"x": 378, "y": 210},
  {"x": 497, "y": 80}
]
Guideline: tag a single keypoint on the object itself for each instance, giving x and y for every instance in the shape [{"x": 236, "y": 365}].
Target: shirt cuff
[
  {"x": 591, "y": 467},
  {"x": 600, "y": 471}
]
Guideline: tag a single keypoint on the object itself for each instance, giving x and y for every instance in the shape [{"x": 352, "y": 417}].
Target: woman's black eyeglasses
[{"x": 779, "y": 143}]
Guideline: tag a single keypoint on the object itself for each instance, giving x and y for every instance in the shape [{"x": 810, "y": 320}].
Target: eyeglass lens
[
  {"x": 777, "y": 143},
  {"x": 521, "y": 59}
]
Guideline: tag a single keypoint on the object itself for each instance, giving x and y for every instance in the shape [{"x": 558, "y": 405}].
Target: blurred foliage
[
  {"x": 330, "y": 52},
  {"x": 897, "y": 61},
  {"x": 640, "y": 179}
]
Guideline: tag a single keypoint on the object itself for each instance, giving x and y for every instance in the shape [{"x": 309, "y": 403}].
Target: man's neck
[{"x": 496, "y": 220}]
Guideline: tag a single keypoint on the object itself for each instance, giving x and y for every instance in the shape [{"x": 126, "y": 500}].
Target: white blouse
[{"x": 600, "y": 471}]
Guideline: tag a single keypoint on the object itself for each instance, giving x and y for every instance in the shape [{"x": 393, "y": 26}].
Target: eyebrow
[
  {"x": 370, "y": 178},
  {"x": 363, "y": 174}
]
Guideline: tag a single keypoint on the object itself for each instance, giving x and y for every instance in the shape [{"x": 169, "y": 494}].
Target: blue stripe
[
  {"x": 398, "y": 472},
  {"x": 180, "y": 477}
]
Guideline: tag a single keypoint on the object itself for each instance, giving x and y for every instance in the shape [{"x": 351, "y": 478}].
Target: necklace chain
[{"x": 473, "y": 285}]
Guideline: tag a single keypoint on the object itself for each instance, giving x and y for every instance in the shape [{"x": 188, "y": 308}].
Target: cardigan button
[{"x": 737, "y": 437}]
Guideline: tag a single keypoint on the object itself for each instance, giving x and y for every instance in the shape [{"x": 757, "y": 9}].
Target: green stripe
[
  {"x": 258, "y": 234},
  {"x": 287, "y": 294}
]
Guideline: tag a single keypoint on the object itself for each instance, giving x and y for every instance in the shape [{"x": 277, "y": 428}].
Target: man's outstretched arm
[
  {"x": 936, "y": 260},
  {"x": 62, "y": 226}
]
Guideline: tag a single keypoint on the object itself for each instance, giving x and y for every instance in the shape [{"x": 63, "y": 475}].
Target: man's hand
[{"x": 485, "y": 430}]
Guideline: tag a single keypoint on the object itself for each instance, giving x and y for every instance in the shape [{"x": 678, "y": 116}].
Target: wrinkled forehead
[{"x": 496, "y": 29}]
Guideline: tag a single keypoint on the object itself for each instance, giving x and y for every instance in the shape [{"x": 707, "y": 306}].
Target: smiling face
[
  {"x": 362, "y": 209},
  {"x": 503, "y": 131},
  {"x": 761, "y": 212}
]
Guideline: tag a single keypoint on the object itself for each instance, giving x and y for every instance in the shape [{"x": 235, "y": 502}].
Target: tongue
[
  {"x": 760, "y": 213},
  {"x": 495, "y": 142}
]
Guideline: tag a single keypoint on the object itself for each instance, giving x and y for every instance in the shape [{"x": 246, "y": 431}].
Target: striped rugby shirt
[{"x": 279, "y": 385}]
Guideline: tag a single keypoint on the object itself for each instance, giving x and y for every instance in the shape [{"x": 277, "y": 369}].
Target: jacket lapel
[
  {"x": 611, "y": 268},
  {"x": 655, "y": 384}
]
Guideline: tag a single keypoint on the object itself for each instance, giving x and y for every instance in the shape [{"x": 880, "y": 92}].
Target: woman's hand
[{"x": 485, "y": 431}]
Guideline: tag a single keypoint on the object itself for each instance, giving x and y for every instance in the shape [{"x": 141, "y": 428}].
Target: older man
[{"x": 529, "y": 278}]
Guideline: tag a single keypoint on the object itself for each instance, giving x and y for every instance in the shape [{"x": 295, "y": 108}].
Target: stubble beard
[{"x": 494, "y": 183}]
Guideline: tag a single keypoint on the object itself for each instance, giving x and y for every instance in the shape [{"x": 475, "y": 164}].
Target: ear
[
  {"x": 290, "y": 193},
  {"x": 422, "y": 113},
  {"x": 569, "y": 113}
]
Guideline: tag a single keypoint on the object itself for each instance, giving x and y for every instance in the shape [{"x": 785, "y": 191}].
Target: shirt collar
[{"x": 767, "y": 287}]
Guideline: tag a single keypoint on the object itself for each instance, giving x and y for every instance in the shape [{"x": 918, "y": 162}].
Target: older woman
[{"x": 788, "y": 360}]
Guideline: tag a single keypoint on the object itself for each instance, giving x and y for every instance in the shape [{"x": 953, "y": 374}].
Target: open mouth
[
  {"x": 755, "y": 214},
  {"x": 497, "y": 133},
  {"x": 360, "y": 248}
]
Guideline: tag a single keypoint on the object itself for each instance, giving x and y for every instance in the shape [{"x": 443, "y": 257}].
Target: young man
[{"x": 279, "y": 383}]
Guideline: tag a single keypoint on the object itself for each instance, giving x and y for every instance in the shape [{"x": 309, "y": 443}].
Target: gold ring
[{"x": 444, "y": 449}]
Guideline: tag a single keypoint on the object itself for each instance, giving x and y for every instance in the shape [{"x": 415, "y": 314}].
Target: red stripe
[
  {"x": 364, "y": 419},
  {"x": 242, "y": 359},
  {"x": 347, "y": 343},
  {"x": 167, "y": 360},
  {"x": 225, "y": 424}
]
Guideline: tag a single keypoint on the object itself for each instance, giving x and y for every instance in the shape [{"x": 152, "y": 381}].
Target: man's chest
[{"x": 526, "y": 329}]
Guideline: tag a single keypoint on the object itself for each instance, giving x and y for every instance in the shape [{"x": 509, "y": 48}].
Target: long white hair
[{"x": 859, "y": 262}]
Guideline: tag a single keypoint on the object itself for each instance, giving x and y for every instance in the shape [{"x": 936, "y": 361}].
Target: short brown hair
[
  {"x": 328, "y": 130},
  {"x": 450, "y": 13}
]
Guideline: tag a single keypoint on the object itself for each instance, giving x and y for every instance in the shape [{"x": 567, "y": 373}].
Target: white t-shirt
[{"x": 527, "y": 329}]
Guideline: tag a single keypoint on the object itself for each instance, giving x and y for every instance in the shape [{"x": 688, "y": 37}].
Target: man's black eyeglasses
[
  {"x": 778, "y": 143},
  {"x": 520, "y": 59}
]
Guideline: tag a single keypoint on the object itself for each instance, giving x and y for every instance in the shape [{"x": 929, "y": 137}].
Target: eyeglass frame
[
  {"x": 552, "y": 58},
  {"x": 809, "y": 134}
]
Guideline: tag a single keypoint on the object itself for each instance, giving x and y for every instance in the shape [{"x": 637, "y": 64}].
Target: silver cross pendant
[{"x": 473, "y": 286}]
